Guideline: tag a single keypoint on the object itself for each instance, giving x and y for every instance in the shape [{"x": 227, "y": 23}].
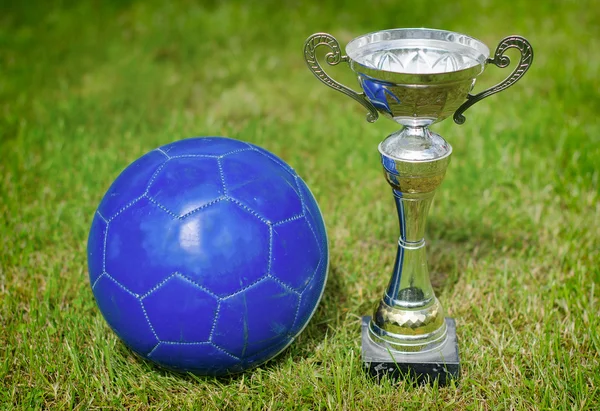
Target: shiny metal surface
[
  {"x": 416, "y": 77},
  {"x": 409, "y": 318},
  {"x": 419, "y": 51},
  {"x": 408, "y": 330}
]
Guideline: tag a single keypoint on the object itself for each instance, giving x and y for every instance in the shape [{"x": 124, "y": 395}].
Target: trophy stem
[{"x": 409, "y": 318}]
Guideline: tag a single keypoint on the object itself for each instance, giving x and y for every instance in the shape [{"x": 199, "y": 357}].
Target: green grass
[{"x": 514, "y": 237}]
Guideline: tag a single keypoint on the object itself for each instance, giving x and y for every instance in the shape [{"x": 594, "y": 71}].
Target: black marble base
[{"x": 442, "y": 364}]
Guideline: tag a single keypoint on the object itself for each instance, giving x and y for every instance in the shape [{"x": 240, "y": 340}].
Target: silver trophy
[{"x": 415, "y": 77}]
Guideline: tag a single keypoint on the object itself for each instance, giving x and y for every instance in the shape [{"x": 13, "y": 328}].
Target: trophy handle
[
  {"x": 333, "y": 58},
  {"x": 501, "y": 61}
]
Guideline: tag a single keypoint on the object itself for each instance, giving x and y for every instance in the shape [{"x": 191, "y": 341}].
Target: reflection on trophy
[{"x": 415, "y": 77}]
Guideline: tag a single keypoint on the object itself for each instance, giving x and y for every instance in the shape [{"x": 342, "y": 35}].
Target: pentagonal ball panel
[{"x": 180, "y": 311}]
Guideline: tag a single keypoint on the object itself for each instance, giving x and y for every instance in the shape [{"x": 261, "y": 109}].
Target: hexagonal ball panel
[
  {"x": 207, "y": 146},
  {"x": 130, "y": 184},
  {"x": 185, "y": 184},
  {"x": 261, "y": 184},
  {"x": 124, "y": 313},
  {"x": 138, "y": 241},
  {"x": 180, "y": 311},
  {"x": 295, "y": 254},
  {"x": 256, "y": 319}
]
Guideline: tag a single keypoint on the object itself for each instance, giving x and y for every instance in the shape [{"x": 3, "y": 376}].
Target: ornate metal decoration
[
  {"x": 501, "y": 61},
  {"x": 333, "y": 58}
]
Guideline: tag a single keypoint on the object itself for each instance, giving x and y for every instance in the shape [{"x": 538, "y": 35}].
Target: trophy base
[{"x": 441, "y": 364}]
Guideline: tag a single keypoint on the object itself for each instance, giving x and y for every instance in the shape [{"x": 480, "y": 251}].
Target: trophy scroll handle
[
  {"x": 501, "y": 61},
  {"x": 333, "y": 58}
]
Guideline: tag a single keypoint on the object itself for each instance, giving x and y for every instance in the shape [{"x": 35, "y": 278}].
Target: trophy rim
[{"x": 399, "y": 77}]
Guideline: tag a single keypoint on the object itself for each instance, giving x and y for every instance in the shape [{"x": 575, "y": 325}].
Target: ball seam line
[
  {"x": 222, "y": 175},
  {"x": 249, "y": 210},
  {"x": 148, "y": 320},
  {"x": 155, "y": 176},
  {"x": 289, "y": 220},
  {"x": 114, "y": 280},
  {"x": 104, "y": 241},
  {"x": 296, "y": 178},
  {"x": 196, "y": 156},
  {"x": 312, "y": 277},
  {"x": 239, "y": 150},
  {"x": 98, "y": 279},
  {"x": 202, "y": 207},
  {"x": 157, "y": 286},
  {"x": 225, "y": 351},
  {"x": 286, "y": 167},
  {"x": 284, "y": 285},
  {"x": 307, "y": 212},
  {"x": 270, "y": 256},
  {"x": 153, "y": 349},
  {"x": 126, "y": 206},
  {"x": 101, "y": 216},
  {"x": 215, "y": 319},
  {"x": 160, "y": 150},
  {"x": 162, "y": 207},
  {"x": 252, "y": 284},
  {"x": 195, "y": 284},
  {"x": 298, "y": 309},
  {"x": 314, "y": 236}
]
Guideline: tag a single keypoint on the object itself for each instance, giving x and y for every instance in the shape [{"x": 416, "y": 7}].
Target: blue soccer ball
[{"x": 208, "y": 255}]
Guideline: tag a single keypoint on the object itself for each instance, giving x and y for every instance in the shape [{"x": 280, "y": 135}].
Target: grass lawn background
[{"x": 513, "y": 236}]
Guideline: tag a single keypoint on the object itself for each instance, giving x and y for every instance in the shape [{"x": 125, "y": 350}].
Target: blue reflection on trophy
[{"x": 377, "y": 92}]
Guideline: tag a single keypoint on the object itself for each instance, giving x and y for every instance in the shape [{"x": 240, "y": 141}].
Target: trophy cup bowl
[{"x": 416, "y": 77}]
